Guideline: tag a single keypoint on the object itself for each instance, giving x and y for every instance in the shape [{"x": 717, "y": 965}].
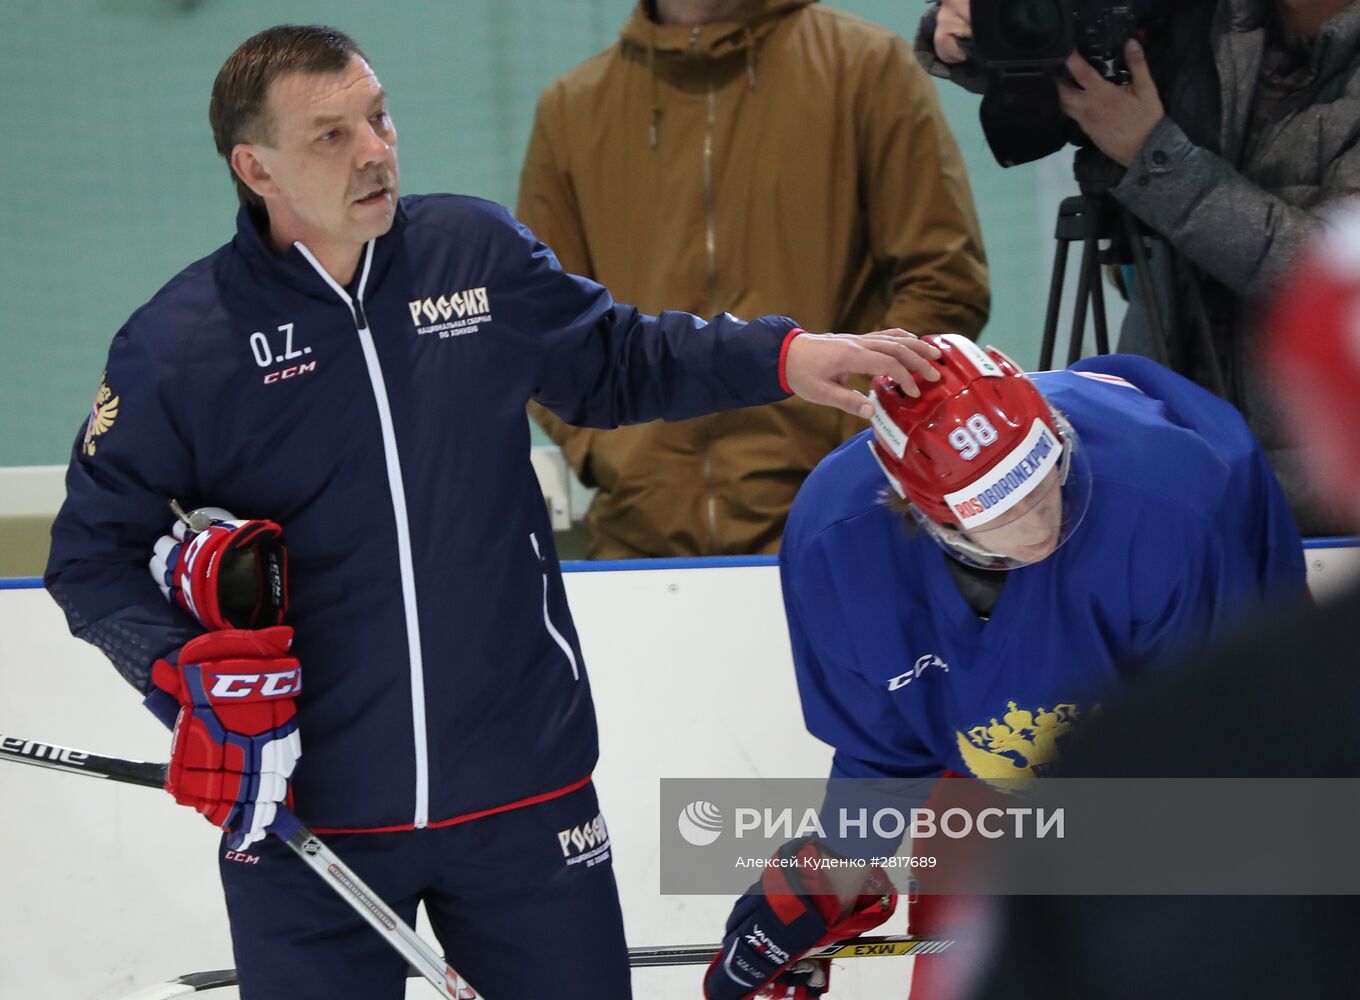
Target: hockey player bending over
[
  {"x": 354, "y": 366},
  {"x": 1019, "y": 546}
]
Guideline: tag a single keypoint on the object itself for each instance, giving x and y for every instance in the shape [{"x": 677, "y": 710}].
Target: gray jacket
[{"x": 1234, "y": 211}]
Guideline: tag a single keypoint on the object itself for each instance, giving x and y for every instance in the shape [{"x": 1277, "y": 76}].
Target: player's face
[
  {"x": 1032, "y": 529},
  {"x": 332, "y": 157}
]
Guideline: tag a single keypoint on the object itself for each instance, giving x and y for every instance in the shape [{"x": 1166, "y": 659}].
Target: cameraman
[{"x": 1240, "y": 121}]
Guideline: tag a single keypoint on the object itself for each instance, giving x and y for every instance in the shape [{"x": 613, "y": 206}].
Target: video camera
[{"x": 1024, "y": 43}]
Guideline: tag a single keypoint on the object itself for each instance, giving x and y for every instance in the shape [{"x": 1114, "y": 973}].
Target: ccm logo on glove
[
  {"x": 231, "y": 693},
  {"x": 286, "y": 682}
]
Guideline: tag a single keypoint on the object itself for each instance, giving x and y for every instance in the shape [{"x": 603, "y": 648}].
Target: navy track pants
[{"x": 523, "y": 903}]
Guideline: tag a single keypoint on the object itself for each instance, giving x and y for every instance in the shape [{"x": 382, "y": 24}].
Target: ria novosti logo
[{"x": 700, "y": 823}]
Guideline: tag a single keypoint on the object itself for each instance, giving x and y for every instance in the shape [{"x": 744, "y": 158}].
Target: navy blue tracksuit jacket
[{"x": 384, "y": 427}]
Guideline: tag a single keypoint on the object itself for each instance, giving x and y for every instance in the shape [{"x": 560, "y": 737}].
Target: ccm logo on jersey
[
  {"x": 292, "y": 371},
  {"x": 587, "y": 843},
  {"x": 275, "y": 685},
  {"x": 918, "y": 668}
]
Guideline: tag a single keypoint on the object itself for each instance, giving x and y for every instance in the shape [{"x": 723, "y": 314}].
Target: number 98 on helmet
[{"x": 980, "y": 460}]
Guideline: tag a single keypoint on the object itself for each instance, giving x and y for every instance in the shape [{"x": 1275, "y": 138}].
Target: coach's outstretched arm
[{"x": 603, "y": 364}]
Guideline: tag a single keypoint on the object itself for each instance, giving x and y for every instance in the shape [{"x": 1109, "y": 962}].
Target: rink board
[{"x": 109, "y": 889}]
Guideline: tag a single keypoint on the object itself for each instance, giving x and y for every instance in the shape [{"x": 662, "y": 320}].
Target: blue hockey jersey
[
  {"x": 384, "y": 427},
  {"x": 1186, "y": 530}
]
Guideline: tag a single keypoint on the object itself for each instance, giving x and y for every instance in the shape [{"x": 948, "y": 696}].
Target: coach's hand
[{"x": 817, "y": 364}]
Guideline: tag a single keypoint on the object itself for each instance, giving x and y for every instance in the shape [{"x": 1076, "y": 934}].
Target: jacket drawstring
[{"x": 655, "y": 130}]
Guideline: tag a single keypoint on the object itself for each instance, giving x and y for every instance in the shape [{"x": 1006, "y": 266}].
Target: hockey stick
[
  {"x": 886, "y": 946},
  {"x": 305, "y": 844},
  {"x": 423, "y": 959},
  {"x": 638, "y": 958}
]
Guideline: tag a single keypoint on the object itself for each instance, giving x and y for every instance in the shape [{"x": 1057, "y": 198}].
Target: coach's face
[{"x": 331, "y": 158}]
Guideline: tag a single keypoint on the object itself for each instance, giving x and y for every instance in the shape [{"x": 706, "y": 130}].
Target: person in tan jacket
[{"x": 748, "y": 156}]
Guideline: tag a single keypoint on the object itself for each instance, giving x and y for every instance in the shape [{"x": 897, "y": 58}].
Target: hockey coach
[{"x": 354, "y": 366}]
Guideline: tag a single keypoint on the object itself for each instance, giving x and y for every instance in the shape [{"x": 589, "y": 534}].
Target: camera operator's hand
[
  {"x": 953, "y": 23},
  {"x": 1117, "y": 118}
]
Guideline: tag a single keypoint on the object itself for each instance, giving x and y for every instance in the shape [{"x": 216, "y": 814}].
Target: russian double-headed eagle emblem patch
[
  {"x": 1019, "y": 745},
  {"x": 102, "y": 414}
]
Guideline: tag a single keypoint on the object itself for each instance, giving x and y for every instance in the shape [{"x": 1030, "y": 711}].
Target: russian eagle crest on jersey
[
  {"x": 1020, "y": 745},
  {"x": 102, "y": 415}
]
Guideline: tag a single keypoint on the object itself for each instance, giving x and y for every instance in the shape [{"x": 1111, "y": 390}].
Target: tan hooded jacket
[{"x": 795, "y": 162}]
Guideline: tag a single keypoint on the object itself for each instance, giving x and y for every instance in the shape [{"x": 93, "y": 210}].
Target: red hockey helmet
[
  {"x": 1312, "y": 349},
  {"x": 975, "y": 451}
]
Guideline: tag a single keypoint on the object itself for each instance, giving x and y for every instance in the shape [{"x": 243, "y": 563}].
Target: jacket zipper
[
  {"x": 397, "y": 489},
  {"x": 711, "y": 247},
  {"x": 710, "y": 206}
]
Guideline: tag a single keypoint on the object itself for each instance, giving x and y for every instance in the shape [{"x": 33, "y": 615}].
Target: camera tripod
[{"x": 1093, "y": 217}]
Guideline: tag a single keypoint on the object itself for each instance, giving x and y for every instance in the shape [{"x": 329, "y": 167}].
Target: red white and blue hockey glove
[
  {"x": 791, "y": 911},
  {"x": 226, "y": 572},
  {"x": 236, "y": 736}
]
